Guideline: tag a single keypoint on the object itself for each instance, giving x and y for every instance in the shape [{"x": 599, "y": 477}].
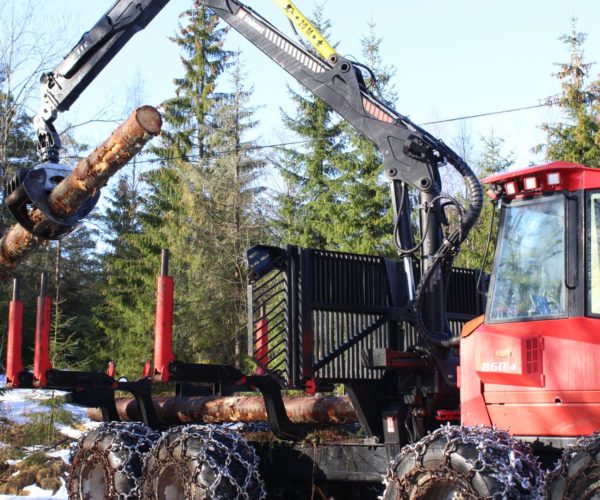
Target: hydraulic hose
[
  {"x": 474, "y": 191},
  {"x": 448, "y": 249}
]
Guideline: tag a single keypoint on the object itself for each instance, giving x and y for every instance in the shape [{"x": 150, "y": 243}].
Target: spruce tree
[
  {"x": 493, "y": 160},
  {"x": 189, "y": 226},
  {"x": 76, "y": 275},
  {"x": 18, "y": 147},
  {"x": 363, "y": 220},
  {"x": 75, "y": 279},
  {"x": 122, "y": 285},
  {"x": 230, "y": 220},
  {"x": 312, "y": 174},
  {"x": 577, "y": 137},
  {"x": 198, "y": 204},
  {"x": 189, "y": 118},
  {"x": 137, "y": 226}
]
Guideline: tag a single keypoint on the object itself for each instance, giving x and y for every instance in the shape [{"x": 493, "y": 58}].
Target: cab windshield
[
  {"x": 593, "y": 258},
  {"x": 528, "y": 279}
]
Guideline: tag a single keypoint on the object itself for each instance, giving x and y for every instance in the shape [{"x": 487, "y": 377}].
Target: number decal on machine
[{"x": 499, "y": 366}]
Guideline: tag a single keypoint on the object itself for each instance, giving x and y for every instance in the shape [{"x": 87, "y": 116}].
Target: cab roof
[{"x": 573, "y": 176}]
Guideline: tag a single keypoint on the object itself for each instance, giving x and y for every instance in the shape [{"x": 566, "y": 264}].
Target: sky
[{"x": 451, "y": 58}]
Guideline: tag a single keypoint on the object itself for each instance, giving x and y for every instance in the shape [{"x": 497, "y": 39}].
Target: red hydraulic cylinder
[
  {"x": 41, "y": 359},
  {"x": 163, "y": 322},
  {"x": 14, "y": 348}
]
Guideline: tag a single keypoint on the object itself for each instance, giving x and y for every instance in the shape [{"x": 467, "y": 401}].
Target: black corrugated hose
[{"x": 445, "y": 254}]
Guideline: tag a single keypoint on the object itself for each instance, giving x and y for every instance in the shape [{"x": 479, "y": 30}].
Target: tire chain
[
  {"x": 502, "y": 457},
  {"x": 224, "y": 442},
  {"x": 138, "y": 442},
  {"x": 585, "y": 445}
]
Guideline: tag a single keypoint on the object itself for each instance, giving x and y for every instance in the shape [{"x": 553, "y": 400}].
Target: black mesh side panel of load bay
[
  {"x": 316, "y": 313},
  {"x": 464, "y": 300},
  {"x": 268, "y": 311},
  {"x": 345, "y": 300}
]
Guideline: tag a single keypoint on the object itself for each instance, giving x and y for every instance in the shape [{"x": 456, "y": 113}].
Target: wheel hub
[
  {"x": 93, "y": 485},
  {"x": 169, "y": 484}
]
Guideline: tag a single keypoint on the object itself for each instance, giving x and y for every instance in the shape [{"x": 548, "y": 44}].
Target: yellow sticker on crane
[{"x": 307, "y": 28}]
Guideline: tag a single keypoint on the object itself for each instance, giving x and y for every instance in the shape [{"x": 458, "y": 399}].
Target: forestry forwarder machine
[{"x": 525, "y": 389}]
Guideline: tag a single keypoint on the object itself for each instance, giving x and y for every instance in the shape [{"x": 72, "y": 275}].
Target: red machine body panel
[{"x": 533, "y": 378}]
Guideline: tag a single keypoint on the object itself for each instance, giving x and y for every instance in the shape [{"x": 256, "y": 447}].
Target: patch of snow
[
  {"x": 62, "y": 492},
  {"x": 34, "y": 491},
  {"x": 34, "y": 448},
  {"x": 16, "y": 405},
  {"x": 70, "y": 432},
  {"x": 64, "y": 454},
  {"x": 79, "y": 412},
  {"x": 77, "y": 432}
]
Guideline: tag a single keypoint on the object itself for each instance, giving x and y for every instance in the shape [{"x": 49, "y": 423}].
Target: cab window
[
  {"x": 593, "y": 253},
  {"x": 528, "y": 278}
]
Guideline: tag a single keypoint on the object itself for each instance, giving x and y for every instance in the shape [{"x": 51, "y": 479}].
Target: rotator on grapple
[{"x": 434, "y": 424}]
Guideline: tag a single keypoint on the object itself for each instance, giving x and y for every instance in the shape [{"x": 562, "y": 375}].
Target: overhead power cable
[
  {"x": 491, "y": 113},
  {"x": 550, "y": 102}
]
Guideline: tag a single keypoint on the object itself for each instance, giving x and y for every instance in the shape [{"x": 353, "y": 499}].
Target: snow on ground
[
  {"x": 15, "y": 405},
  {"x": 35, "y": 492}
]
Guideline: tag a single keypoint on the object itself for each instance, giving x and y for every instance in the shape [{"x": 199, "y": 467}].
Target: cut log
[
  {"x": 215, "y": 409},
  {"x": 90, "y": 174}
]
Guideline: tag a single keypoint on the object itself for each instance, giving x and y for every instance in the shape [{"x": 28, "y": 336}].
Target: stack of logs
[{"x": 213, "y": 409}]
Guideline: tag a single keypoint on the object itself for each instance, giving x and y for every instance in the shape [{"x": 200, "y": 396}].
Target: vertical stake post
[
  {"x": 41, "y": 359},
  {"x": 262, "y": 342},
  {"x": 14, "y": 348},
  {"x": 163, "y": 322}
]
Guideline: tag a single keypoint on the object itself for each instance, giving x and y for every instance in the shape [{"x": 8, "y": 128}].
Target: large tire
[
  {"x": 107, "y": 461},
  {"x": 577, "y": 474},
  {"x": 202, "y": 461},
  {"x": 467, "y": 463}
]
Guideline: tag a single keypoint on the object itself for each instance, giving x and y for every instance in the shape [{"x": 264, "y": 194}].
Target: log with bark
[
  {"x": 215, "y": 409},
  {"x": 90, "y": 174}
]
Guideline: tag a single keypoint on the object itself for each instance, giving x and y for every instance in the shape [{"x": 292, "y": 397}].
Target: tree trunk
[{"x": 90, "y": 174}]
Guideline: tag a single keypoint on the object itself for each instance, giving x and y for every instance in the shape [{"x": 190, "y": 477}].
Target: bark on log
[
  {"x": 90, "y": 174},
  {"x": 214, "y": 409}
]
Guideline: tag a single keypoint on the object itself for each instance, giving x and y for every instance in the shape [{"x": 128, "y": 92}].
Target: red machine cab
[{"x": 532, "y": 365}]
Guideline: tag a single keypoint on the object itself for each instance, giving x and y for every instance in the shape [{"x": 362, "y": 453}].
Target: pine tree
[{"x": 577, "y": 139}]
